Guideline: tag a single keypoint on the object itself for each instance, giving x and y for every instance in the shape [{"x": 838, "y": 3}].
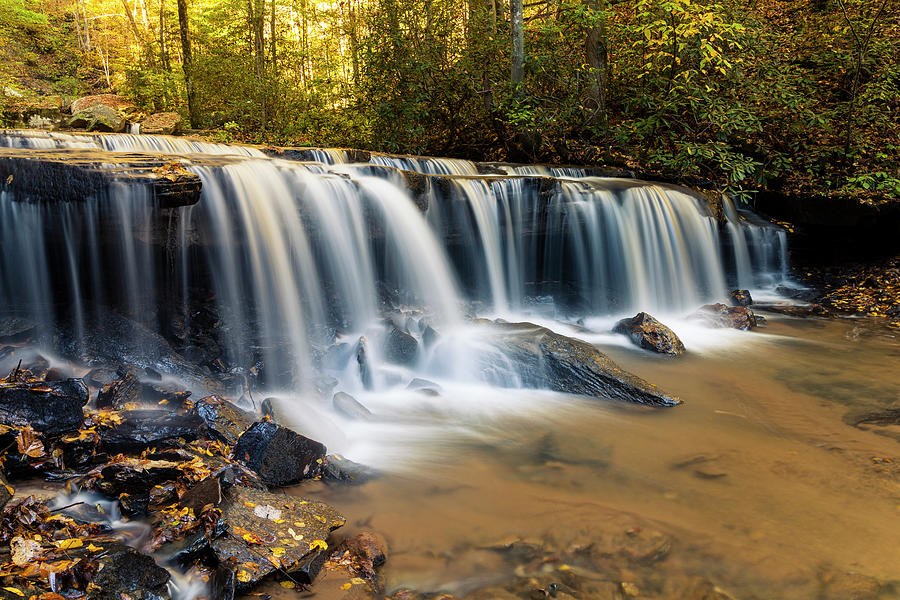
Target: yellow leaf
[
  {"x": 93, "y": 548},
  {"x": 288, "y": 585},
  {"x": 69, "y": 544},
  {"x": 346, "y": 586},
  {"x": 318, "y": 545},
  {"x": 278, "y": 551},
  {"x": 15, "y": 591},
  {"x": 357, "y": 581},
  {"x": 244, "y": 576}
]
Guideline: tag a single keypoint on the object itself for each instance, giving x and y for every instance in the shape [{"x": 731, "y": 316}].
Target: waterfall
[{"x": 280, "y": 260}]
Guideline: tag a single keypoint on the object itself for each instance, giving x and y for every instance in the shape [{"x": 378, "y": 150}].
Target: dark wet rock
[
  {"x": 545, "y": 359},
  {"x": 290, "y": 530},
  {"x": 840, "y": 585},
  {"x": 132, "y": 480},
  {"x": 648, "y": 333},
  {"x": 6, "y": 491},
  {"x": 791, "y": 310},
  {"x": 337, "y": 468},
  {"x": 740, "y": 297},
  {"x": 400, "y": 347},
  {"x": 207, "y": 492},
  {"x": 51, "y": 407},
  {"x": 58, "y": 374},
  {"x": 806, "y": 295},
  {"x": 721, "y": 315},
  {"x": 148, "y": 428},
  {"x": 350, "y": 407},
  {"x": 15, "y": 329},
  {"x": 164, "y": 123},
  {"x": 280, "y": 456},
  {"x": 125, "y": 573},
  {"x": 225, "y": 421},
  {"x": 100, "y": 376},
  {"x": 362, "y": 359},
  {"x": 362, "y": 554},
  {"x": 337, "y": 356},
  {"x": 39, "y": 366},
  {"x": 169, "y": 394},
  {"x": 121, "y": 393}
]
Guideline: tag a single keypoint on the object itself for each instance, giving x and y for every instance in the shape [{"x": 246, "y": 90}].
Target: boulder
[
  {"x": 343, "y": 470},
  {"x": 15, "y": 329},
  {"x": 225, "y": 421},
  {"x": 400, "y": 347},
  {"x": 51, "y": 407},
  {"x": 740, "y": 297},
  {"x": 350, "y": 407},
  {"x": 126, "y": 573},
  {"x": 650, "y": 334},
  {"x": 280, "y": 456},
  {"x": 164, "y": 123},
  {"x": 147, "y": 428},
  {"x": 545, "y": 359},
  {"x": 121, "y": 393},
  {"x": 110, "y": 100},
  {"x": 99, "y": 118},
  {"x": 720, "y": 315},
  {"x": 264, "y": 530},
  {"x": 362, "y": 359},
  {"x": 132, "y": 481}
]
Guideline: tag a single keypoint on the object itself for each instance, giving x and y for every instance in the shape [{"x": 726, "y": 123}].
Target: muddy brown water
[{"x": 756, "y": 483}]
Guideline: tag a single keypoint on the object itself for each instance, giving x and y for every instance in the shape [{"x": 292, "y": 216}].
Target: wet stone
[
  {"x": 142, "y": 429},
  {"x": 15, "y": 329},
  {"x": 125, "y": 573},
  {"x": 207, "y": 492},
  {"x": 740, "y": 297},
  {"x": 720, "y": 315},
  {"x": 648, "y": 333},
  {"x": 136, "y": 478},
  {"x": 279, "y": 455},
  {"x": 263, "y": 529},
  {"x": 362, "y": 554},
  {"x": 225, "y": 421},
  {"x": 337, "y": 468},
  {"x": 350, "y": 407},
  {"x": 121, "y": 393},
  {"x": 400, "y": 347},
  {"x": 52, "y": 407}
]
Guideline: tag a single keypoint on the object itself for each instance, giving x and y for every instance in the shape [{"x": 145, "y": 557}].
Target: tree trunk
[
  {"x": 517, "y": 22},
  {"x": 596, "y": 56},
  {"x": 187, "y": 64}
]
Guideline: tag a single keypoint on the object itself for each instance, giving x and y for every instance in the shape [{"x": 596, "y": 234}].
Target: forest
[{"x": 787, "y": 96}]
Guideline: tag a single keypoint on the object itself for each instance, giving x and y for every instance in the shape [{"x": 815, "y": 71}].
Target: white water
[{"x": 298, "y": 255}]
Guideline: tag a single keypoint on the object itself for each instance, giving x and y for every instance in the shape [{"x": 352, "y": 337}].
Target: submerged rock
[
  {"x": 362, "y": 554},
  {"x": 546, "y": 359},
  {"x": 126, "y": 573},
  {"x": 740, "y": 297},
  {"x": 280, "y": 456},
  {"x": 721, "y": 315},
  {"x": 225, "y": 421},
  {"x": 263, "y": 530},
  {"x": 51, "y": 407},
  {"x": 400, "y": 347},
  {"x": 350, "y": 407},
  {"x": 337, "y": 468},
  {"x": 650, "y": 334}
]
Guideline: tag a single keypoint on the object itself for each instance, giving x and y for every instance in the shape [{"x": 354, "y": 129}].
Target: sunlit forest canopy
[{"x": 790, "y": 95}]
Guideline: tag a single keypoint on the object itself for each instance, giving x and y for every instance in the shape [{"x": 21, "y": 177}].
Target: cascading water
[{"x": 286, "y": 257}]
